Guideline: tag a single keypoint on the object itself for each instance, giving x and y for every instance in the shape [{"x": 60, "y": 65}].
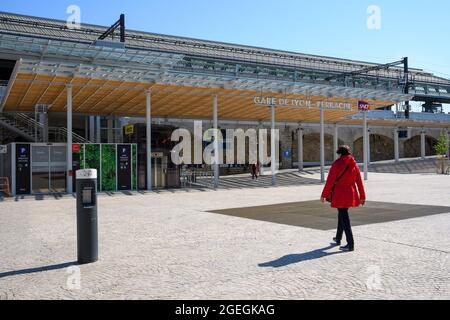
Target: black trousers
[{"x": 344, "y": 226}]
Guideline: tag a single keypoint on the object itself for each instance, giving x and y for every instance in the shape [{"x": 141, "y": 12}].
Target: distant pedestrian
[
  {"x": 254, "y": 169},
  {"x": 344, "y": 189}
]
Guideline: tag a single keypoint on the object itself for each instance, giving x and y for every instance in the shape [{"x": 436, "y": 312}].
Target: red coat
[{"x": 349, "y": 189}]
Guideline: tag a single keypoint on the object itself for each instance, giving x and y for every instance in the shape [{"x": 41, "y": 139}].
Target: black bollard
[{"x": 87, "y": 225}]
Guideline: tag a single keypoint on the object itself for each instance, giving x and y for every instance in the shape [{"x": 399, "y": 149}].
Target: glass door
[
  {"x": 48, "y": 169},
  {"x": 159, "y": 173},
  {"x": 58, "y": 169},
  {"x": 40, "y": 163}
]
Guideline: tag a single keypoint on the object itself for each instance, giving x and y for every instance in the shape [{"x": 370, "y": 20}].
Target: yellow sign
[{"x": 129, "y": 129}]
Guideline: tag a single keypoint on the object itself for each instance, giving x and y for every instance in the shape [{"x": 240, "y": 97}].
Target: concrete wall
[
  {"x": 412, "y": 148},
  {"x": 381, "y": 148}
]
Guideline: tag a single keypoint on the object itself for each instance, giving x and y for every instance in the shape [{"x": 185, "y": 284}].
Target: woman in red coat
[{"x": 344, "y": 189}]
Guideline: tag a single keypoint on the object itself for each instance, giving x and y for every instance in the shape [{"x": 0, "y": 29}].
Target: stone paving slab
[{"x": 169, "y": 246}]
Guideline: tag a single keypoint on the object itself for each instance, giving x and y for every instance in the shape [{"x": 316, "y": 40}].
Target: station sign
[
  {"x": 23, "y": 169},
  {"x": 301, "y": 103},
  {"x": 124, "y": 167},
  {"x": 129, "y": 129},
  {"x": 76, "y": 148},
  {"x": 363, "y": 106}
]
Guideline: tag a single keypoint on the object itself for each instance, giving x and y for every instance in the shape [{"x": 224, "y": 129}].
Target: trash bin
[{"x": 87, "y": 225}]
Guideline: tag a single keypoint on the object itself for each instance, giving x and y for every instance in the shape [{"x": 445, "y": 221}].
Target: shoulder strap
[{"x": 342, "y": 174}]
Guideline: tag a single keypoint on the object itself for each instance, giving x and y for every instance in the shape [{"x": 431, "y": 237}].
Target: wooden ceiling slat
[{"x": 97, "y": 96}]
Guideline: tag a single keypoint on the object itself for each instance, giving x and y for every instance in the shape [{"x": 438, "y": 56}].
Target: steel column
[
  {"x": 272, "y": 146},
  {"x": 110, "y": 123},
  {"x": 396, "y": 146},
  {"x": 98, "y": 129},
  {"x": 70, "y": 172},
  {"x": 92, "y": 129},
  {"x": 368, "y": 146},
  {"x": 148, "y": 119},
  {"x": 216, "y": 143},
  {"x": 336, "y": 141},
  {"x": 322, "y": 146},
  {"x": 86, "y": 128},
  {"x": 406, "y": 90},
  {"x": 365, "y": 146},
  {"x": 300, "y": 149}
]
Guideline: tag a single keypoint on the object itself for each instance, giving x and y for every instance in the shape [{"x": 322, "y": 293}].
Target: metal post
[
  {"x": 86, "y": 126},
  {"x": 422, "y": 144},
  {"x": 365, "y": 145},
  {"x": 368, "y": 146},
  {"x": 110, "y": 130},
  {"x": 216, "y": 143},
  {"x": 300, "y": 149},
  {"x": 69, "y": 140},
  {"x": 149, "y": 139},
  {"x": 272, "y": 146},
  {"x": 98, "y": 129},
  {"x": 322, "y": 146},
  {"x": 35, "y": 125},
  {"x": 43, "y": 120},
  {"x": 92, "y": 129},
  {"x": 261, "y": 150},
  {"x": 122, "y": 28},
  {"x": 396, "y": 146},
  {"x": 336, "y": 141},
  {"x": 406, "y": 90}
]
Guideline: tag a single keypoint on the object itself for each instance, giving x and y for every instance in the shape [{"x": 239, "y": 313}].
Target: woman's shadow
[{"x": 296, "y": 258}]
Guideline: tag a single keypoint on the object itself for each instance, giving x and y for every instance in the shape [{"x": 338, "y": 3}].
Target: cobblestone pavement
[{"x": 166, "y": 245}]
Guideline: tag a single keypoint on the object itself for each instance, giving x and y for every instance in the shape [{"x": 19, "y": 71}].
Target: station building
[{"x": 109, "y": 98}]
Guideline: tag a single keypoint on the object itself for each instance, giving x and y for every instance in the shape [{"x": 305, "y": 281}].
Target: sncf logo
[{"x": 363, "y": 106}]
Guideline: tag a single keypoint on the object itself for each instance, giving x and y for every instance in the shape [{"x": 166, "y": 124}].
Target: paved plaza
[{"x": 182, "y": 245}]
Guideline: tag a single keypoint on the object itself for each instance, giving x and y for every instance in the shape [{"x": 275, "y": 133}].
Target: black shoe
[
  {"x": 338, "y": 242},
  {"x": 347, "y": 248}
]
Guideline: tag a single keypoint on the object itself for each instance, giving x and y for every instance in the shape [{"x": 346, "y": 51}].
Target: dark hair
[{"x": 344, "y": 150}]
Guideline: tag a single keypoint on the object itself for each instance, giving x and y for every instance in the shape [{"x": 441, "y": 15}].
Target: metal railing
[
  {"x": 425, "y": 116},
  {"x": 390, "y": 115},
  {"x": 60, "y": 134},
  {"x": 22, "y": 123},
  {"x": 197, "y": 177},
  {"x": 35, "y": 129}
]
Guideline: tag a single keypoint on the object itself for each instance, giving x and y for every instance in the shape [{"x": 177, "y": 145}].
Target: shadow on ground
[
  {"x": 300, "y": 257},
  {"x": 38, "y": 269}
]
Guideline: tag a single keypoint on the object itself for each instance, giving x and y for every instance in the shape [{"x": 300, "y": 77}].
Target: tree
[{"x": 441, "y": 149}]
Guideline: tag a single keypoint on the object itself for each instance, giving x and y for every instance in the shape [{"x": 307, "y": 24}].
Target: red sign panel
[
  {"x": 363, "y": 105},
  {"x": 76, "y": 148}
]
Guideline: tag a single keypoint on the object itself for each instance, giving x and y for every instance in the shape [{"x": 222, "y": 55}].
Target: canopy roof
[{"x": 110, "y": 97}]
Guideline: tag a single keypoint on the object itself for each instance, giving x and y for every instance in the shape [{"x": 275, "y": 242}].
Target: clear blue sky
[{"x": 418, "y": 29}]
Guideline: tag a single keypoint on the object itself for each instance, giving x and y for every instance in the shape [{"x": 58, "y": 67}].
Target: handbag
[{"x": 330, "y": 199}]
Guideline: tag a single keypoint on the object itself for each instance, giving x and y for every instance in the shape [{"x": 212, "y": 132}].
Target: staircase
[
  {"x": 31, "y": 130},
  {"x": 21, "y": 125},
  {"x": 6, "y": 136}
]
